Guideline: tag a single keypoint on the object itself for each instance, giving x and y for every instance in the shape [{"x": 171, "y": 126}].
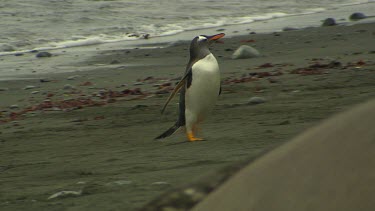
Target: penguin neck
[{"x": 197, "y": 55}]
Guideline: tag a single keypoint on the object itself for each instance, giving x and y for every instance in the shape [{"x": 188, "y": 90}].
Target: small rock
[
  {"x": 245, "y": 52},
  {"x": 138, "y": 83},
  {"x": 357, "y": 16},
  {"x": 115, "y": 62},
  {"x": 29, "y": 87},
  {"x": 256, "y": 100},
  {"x": 288, "y": 28},
  {"x": 160, "y": 183},
  {"x": 286, "y": 122},
  {"x": 146, "y": 36},
  {"x": 73, "y": 77},
  {"x": 44, "y": 80},
  {"x": 220, "y": 30},
  {"x": 68, "y": 87},
  {"x": 18, "y": 54},
  {"x": 65, "y": 194},
  {"x": 3, "y": 89},
  {"x": 329, "y": 22},
  {"x": 14, "y": 106},
  {"x": 120, "y": 182},
  {"x": 43, "y": 54},
  {"x": 35, "y": 92}
]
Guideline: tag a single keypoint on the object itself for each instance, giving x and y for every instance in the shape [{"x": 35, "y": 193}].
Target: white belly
[{"x": 201, "y": 96}]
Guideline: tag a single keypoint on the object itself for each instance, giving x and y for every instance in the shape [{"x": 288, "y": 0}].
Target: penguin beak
[{"x": 215, "y": 37}]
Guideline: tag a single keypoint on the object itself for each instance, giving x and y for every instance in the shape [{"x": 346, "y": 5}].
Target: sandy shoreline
[{"x": 86, "y": 137}]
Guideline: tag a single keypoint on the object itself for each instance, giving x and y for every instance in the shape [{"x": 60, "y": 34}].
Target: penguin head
[{"x": 199, "y": 46}]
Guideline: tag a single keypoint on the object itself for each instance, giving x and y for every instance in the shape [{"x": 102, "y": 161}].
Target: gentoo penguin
[{"x": 199, "y": 88}]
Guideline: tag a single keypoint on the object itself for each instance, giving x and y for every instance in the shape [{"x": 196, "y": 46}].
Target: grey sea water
[{"x": 38, "y": 24}]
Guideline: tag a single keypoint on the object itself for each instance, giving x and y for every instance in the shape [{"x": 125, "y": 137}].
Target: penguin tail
[{"x": 169, "y": 132}]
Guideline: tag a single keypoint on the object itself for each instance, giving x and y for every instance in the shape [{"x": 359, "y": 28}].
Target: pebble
[
  {"x": 357, "y": 16},
  {"x": 138, "y": 83},
  {"x": 288, "y": 28},
  {"x": 43, "y": 54},
  {"x": 120, "y": 182},
  {"x": 286, "y": 122},
  {"x": 115, "y": 62},
  {"x": 3, "y": 89},
  {"x": 256, "y": 100},
  {"x": 14, "y": 106},
  {"x": 244, "y": 52},
  {"x": 44, "y": 80},
  {"x": 73, "y": 77},
  {"x": 65, "y": 194},
  {"x": 329, "y": 22},
  {"x": 35, "y": 92},
  {"x": 68, "y": 87},
  {"x": 160, "y": 183},
  {"x": 29, "y": 87}
]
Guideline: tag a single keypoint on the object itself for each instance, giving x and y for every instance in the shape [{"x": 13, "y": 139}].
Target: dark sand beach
[{"x": 91, "y": 132}]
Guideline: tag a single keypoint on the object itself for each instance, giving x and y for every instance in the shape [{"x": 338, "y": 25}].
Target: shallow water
[{"x": 48, "y": 24}]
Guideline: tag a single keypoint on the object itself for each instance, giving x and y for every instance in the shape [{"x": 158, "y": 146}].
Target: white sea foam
[{"x": 99, "y": 27}]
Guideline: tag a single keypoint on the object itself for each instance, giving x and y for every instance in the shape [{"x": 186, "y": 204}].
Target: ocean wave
[{"x": 114, "y": 33}]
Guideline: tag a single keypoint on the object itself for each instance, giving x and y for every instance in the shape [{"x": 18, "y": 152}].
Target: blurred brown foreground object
[{"x": 329, "y": 167}]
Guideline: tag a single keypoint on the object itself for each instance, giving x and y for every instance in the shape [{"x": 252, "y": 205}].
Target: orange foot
[{"x": 191, "y": 137}]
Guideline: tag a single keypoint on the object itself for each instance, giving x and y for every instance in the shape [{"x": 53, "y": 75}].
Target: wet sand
[{"x": 99, "y": 143}]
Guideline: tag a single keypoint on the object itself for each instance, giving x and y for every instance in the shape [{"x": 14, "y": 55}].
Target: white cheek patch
[{"x": 201, "y": 38}]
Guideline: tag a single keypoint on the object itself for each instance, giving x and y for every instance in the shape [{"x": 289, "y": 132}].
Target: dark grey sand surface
[{"x": 100, "y": 144}]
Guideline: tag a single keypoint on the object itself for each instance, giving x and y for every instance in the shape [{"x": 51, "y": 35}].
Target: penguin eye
[{"x": 202, "y": 38}]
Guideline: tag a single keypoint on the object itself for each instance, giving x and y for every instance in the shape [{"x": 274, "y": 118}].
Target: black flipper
[{"x": 169, "y": 132}]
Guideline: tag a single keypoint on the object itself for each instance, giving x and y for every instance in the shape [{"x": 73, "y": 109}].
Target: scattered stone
[
  {"x": 220, "y": 30},
  {"x": 43, "y": 54},
  {"x": 65, "y": 194},
  {"x": 288, "y": 28},
  {"x": 29, "y": 87},
  {"x": 68, "y": 87},
  {"x": 245, "y": 52},
  {"x": 138, "y": 83},
  {"x": 228, "y": 49},
  {"x": 286, "y": 122},
  {"x": 14, "y": 106},
  {"x": 3, "y": 89},
  {"x": 18, "y": 54},
  {"x": 120, "y": 182},
  {"x": 73, "y": 77},
  {"x": 160, "y": 183},
  {"x": 329, "y": 22},
  {"x": 35, "y": 92},
  {"x": 139, "y": 107},
  {"x": 256, "y": 100},
  {"x": 115, "y": 62},
  {"x": 44, "y": 80},
  {"x": 146, "y": 36},
  {"x": 277, "y": 34},
  {"x": 357, "y": 16}
]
